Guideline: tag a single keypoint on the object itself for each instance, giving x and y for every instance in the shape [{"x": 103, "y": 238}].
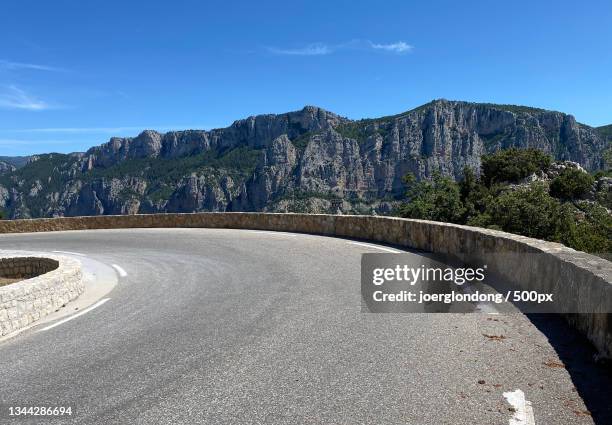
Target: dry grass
[
  {"x": 495, "y": 337},
  {"x": 553, "y": 363}
]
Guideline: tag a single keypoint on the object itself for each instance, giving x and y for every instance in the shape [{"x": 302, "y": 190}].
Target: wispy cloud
[
  {"x": 15, "y": 98},
  {"x": 10, "y": 65},
  {"x": 398, "y": 47},
  {"x": 320, "y": 49},
  {"x": 314, "y": 49}
]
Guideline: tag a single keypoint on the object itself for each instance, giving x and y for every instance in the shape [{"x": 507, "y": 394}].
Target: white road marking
[
  {"x": 376, "y": 247},
  {"x": 274, "y": 233},
  {"x": 74, "y": 316},
  {"x": 523, "y": 413},
  {"x": 122, "y": 273},
  {"x": 70, "y": 252}
]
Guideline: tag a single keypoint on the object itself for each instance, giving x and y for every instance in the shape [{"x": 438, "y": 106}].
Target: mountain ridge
[{"x": 307, "y": 160}]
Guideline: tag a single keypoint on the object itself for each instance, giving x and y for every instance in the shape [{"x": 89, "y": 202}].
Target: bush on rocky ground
[
  {"x": 571, "y": 183},
  {"x": 522, "y": 192}
]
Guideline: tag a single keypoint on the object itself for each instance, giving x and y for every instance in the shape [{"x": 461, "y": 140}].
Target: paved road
[{"x": 230, "y": 327}]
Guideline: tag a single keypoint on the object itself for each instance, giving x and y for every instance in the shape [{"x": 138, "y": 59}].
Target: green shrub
[
  {"x": 528, "y": 211},
  {"x": 604, "y": 197},
  {"x": 474, "y": 195},
  {"x": 571, "y": 184},
  {"x": 512, "y": 165},
  {"x": 589, "y": 229},
  {"x": 438, "y": 199}
]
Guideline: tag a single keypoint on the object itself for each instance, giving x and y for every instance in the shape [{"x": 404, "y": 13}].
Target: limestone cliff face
[
  {"x": 255, "y": 132},
  {"x": 308, "y": 160},
  {"x": 274, "y": 175},
  {"x": 334, "y": 163},
  {"x": 5, "y": 167},
  {"x": 202, "y": 193}
]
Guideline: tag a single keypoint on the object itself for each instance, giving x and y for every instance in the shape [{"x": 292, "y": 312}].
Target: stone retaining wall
[
  {"x": 50, "y": 281},
  {"x": 576, "y": 276},
  {"x": 26, "y": 267}
]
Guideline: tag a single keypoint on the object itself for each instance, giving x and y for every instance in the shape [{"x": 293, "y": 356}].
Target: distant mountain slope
[
  {"x": 308, "y": 160},
  {"x": 605, "y": 131},
  {"x": 17, "y": 161},
  {"x": 10, "y": 163}
]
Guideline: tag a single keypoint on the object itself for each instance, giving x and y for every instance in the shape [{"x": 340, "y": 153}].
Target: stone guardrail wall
[
  {"x": 582, "y": 281},
  {"x": 50, "y": 281}
]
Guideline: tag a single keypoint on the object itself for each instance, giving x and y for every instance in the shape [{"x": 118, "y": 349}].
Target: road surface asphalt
[{"x": 219, "y": 326}]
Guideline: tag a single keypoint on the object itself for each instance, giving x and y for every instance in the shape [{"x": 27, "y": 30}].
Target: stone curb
[{"x": 26, "y": 301}]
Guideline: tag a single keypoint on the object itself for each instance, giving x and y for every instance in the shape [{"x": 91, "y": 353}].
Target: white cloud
[
  {"x": 10, "y": 65},
  {"x": 315, "y": 49},
  {"x": 320, "y": 49},
  {"x": 398, "y": 47},
  {"x": 15, "y": 98}
]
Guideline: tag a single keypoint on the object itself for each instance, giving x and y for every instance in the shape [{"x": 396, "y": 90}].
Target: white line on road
[
  {"x": 523, "y": 410},
  {"x": 376, "y": 247},
  {"x": 274, "y": 233},
  {"x": 70, "y": 252},
  {"x": 74, "y": 316},
  {"x": 122, "y": 273}
]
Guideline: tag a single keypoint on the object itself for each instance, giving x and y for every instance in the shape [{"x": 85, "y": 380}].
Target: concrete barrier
[
  {"x": 575, "y": 276},
  {"x": 47, "y": 283}
]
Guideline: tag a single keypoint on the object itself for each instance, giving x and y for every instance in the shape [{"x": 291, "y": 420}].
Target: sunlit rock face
[{"x": 309, "y": 160}]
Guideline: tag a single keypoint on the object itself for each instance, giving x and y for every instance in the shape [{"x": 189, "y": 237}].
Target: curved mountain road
[{"x": 223, "y": 326}]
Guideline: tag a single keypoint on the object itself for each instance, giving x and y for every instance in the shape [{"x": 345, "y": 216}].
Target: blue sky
[{"x": 74, "y": 73}]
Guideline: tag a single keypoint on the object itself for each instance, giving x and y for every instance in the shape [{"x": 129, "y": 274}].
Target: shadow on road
[{"x": 593, "y": 380}]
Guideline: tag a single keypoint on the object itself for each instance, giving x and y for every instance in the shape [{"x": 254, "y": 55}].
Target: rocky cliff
[{"x": 309, "y": 160}]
